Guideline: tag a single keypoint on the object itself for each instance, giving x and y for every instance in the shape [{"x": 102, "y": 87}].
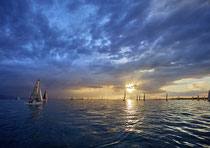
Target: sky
[{"x": 97, "y": 48}]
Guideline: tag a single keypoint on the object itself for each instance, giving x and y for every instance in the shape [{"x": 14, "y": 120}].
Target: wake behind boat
[{"x": 36, "y": 96}]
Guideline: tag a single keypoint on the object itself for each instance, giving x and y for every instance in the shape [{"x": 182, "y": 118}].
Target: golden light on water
[
  {"x": 129, "y": 103},
  {"x": 130, "y": 87}
]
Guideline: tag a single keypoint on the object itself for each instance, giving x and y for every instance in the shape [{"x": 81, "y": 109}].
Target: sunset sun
[{"x": 130, "y": 87}]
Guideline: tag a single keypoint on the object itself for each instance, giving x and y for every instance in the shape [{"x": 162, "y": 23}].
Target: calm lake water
[{"x": 105, "y": 123}]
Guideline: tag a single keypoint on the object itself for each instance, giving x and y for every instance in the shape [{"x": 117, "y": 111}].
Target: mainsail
[
  {"x": 34, "y": 95},
  {"x": 45, "y": 96},
  {"x": 40, "y": 95}
]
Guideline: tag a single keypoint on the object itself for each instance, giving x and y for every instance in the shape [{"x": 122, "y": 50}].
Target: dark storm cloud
[{"x": 65, "y": 43}]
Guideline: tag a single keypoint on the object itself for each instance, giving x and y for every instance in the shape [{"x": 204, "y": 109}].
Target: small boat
[
  {"x": 209, "y": 96},
  {"x": 36, "y": 96}
]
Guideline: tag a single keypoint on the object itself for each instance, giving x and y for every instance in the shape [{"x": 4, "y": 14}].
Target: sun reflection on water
[
  {"x": 129, "y": 104},
  {"x": 133, "y": 123}
]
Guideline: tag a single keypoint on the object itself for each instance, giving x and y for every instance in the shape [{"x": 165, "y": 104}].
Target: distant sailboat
[
  {"x": 166, "y": 96},
  {"x": 144, "y": 96},
  {"x": 36, "y": 96},
  {"x": 45, "y": 96},
  {"x": 139, "y": 97},
  {"x": 124, "y": 95},
  {"x": 209, "y": 96}
]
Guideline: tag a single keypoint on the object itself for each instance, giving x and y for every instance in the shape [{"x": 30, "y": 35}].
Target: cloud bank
[{"x": 71, "y": 45}]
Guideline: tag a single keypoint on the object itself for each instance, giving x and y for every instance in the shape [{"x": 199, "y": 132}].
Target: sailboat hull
[{"x": 34, "y": 103}]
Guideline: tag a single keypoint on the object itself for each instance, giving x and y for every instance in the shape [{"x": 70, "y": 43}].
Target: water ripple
[{"x": 102, "y": 123}]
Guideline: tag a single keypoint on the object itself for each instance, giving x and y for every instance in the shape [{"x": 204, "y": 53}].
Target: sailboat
[
  {"x": 36, "y": 96},
  {"x": 144, "y": 96},
  {"x": 45, "y": 96},
  {"x": 124, "y": 94},
  {"x": 209, "y": 96},
  {"x": 166, "y": 96}
]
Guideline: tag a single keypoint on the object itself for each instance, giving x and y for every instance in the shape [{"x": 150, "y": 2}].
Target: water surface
[{"x": 105, "y": 123}]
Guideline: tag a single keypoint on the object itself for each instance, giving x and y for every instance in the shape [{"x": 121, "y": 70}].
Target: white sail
[
  {"x": 40, "y": 95},
  {"x": 34, "y": 94}
]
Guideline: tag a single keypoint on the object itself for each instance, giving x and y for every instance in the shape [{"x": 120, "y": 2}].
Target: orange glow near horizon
[{"x": 188, "y": 88}]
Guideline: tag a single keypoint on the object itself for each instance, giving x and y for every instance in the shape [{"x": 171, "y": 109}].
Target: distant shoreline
[{"x": 12, "y": 98}]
